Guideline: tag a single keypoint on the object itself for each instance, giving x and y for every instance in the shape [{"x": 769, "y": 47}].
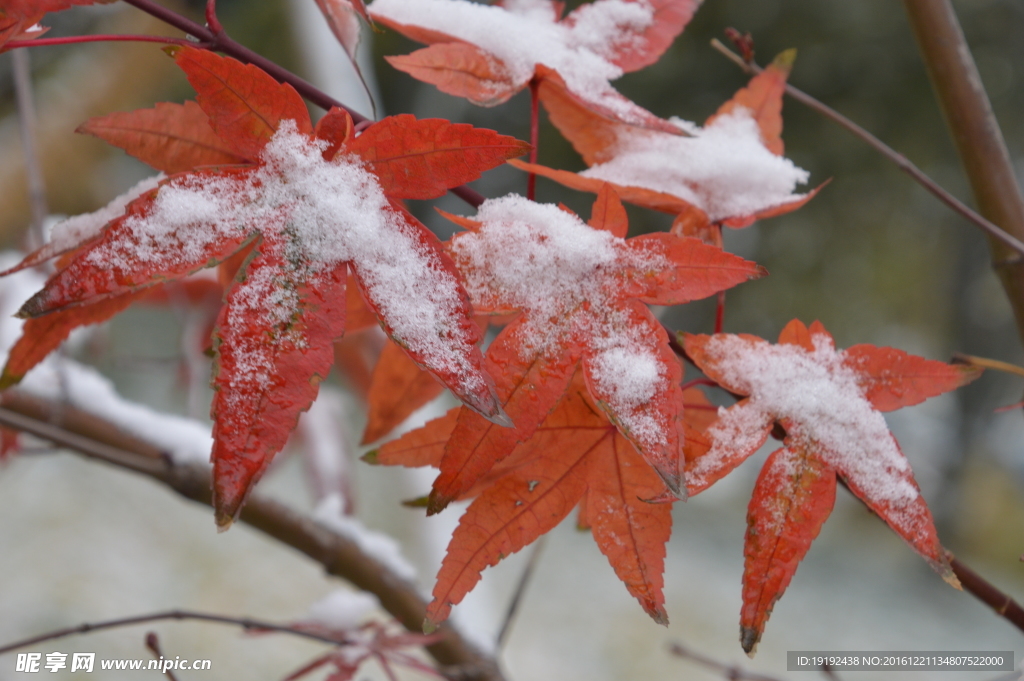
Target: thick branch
[
  {"x": 340, "y": 556},
  {"x": 976, "y": 133}
]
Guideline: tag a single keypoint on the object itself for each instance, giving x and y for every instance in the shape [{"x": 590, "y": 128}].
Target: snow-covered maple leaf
[
  {"x": 582, "y": 292},
  {"x": 730, "y": 172},
  {"x": 487, "y": 53},
  {"x": 829, "y": 403},
  {"x": 315, "y": 205}
]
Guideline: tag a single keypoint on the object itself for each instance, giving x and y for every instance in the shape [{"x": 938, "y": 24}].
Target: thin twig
[
  {"x": 987, "y": 363},
  {"x": 153, "y": 643},
  {"x": 976, "y": 133},
  {"x": 246, "y": 623},
  {"x": 105, "y": 38},
  {"x": 517, "y": 596},
  {"x": 98, "y": 439},
  {"x": 888, "y": 152},
  {"x": 732, "y": 672},
  {"x": 27, "y": 124}
]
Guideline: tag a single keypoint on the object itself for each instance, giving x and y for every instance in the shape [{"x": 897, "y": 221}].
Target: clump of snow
[
  {"x": 341, "y": 609},
  {"x": 542, "y": 259},
  {"x": 567, "y": 277},
  {"x": 723, "y": 169},
  {"x": 631, "y": 375},
  {"x": 381, "y": 547},
  {"x": 525, "y": 33},
  {"x": 316, "y": 214},
  {"x": 826, "y": 409}
]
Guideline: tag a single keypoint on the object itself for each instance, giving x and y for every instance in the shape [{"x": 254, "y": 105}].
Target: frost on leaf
[
  {"x": 829, "y": 403},
  {"x": 582, "y": 292},
  {"x": 575, "y": 458},
  {"x": 310, "y": 209},
  {"x": 487, "y": 53},
  {"x": 730, "y": 172}
]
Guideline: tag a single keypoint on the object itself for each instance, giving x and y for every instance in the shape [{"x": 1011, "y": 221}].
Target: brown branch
[
  {"x": 98, "y": 439},
  {"x": 988, "y": 594},
  {"x": 27, "y": 124},
  {"x": 976, "y": 134},
  {"x": 1010, "y": 241}
]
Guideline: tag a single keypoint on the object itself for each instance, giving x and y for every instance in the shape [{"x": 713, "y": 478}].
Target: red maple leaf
[
  {"x": 729, "y": 173},
  {"x": 576, "y": 457},
  {"x": 829, "y": 404},
  {"x": 489, "y": 53},
  {"x": 315, "y": 205},
  {"x": 582, "y": 293},
  {"x": 19, "y": 18}
]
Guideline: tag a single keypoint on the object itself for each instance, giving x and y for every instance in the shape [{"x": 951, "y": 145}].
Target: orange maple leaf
[
  {"x": 19, "y": 19},
  {"x": 829, "y": 404},
  {"x": 576, "y": 457},
  {"x": 315, "y": 205}
]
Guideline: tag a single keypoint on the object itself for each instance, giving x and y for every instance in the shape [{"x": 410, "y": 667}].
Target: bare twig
[
  {"x": 987, "y": 363},
  {"x": 517, "y": 596},
  {"x": 988, "y": 594},
  {"x": 976, "y": 133},
  {"x": 993, "y": 230},
  {"x": 27, "y": 124},
  {"x": 247, "y": 623},
  {"x": 153, "y": 643},
  {"x": 340, "y": 556},
  {"x": 731, "y": 672}
]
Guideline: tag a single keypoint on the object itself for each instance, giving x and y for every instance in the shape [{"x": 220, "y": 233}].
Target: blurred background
[{"x": 874, "y": 257}]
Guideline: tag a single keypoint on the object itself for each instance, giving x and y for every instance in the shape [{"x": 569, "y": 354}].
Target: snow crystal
[
  {"x": 74, "y": 231},
  {"x": 325, "y": 212},
  {"x": 723, "y": 169},
  {"x": 826, "y": 408},
  {"x": 566, "y": 276},
  {"x": 525, "y": 33},
  {"x": 377, "y": 545},
  {"x": 342, "y": 609}
]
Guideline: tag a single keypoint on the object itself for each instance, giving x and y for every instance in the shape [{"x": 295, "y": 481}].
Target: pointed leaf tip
[
  {"x": 749, "y": 638},
  {"x": 370, "y": 457},
  {"x": 429, "y": 626},
  {"x": 784, "y": 60}
]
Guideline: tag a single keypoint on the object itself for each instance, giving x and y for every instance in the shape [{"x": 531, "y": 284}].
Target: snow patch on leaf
[
  {"x": 325, "y": 213},
  {"x": 817, "y": 396},
  {"x": 632, "y": 375},
  {"x": 542, "y": 259},
  {"x": 525, "y": 33},
  {"x": 724, "y": 169}
]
